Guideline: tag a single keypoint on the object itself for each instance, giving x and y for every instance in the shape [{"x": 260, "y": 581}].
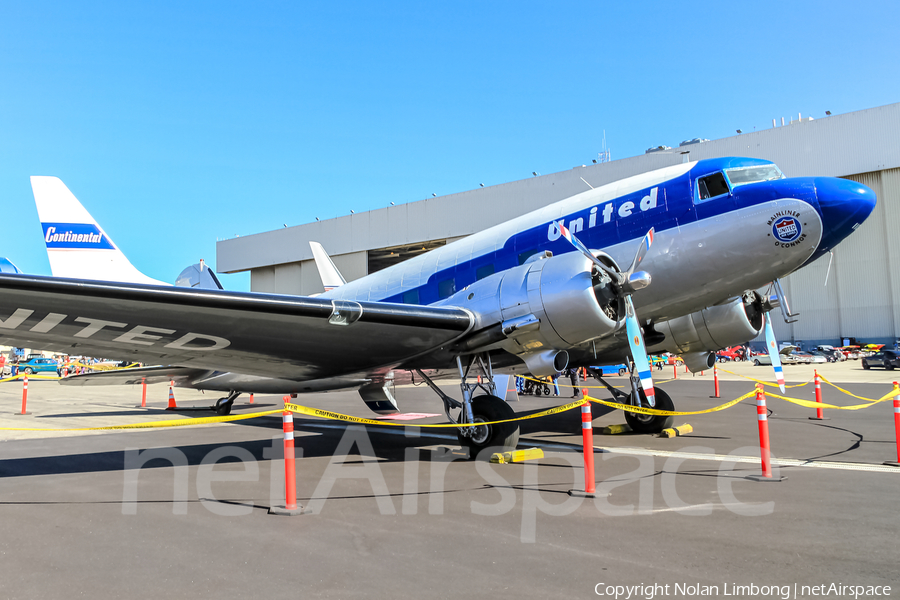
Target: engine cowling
[
  {"x": 542, "y": 308},
  {"x": 712, "y": 328}
]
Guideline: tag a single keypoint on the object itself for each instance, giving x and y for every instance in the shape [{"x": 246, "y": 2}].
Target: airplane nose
[{"x": 845, "y": 205}]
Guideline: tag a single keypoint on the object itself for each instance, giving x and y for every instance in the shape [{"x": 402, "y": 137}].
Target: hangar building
[{"x": 861, "y": 298}]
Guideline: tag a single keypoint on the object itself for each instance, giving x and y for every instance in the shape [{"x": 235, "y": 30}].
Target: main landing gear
[
  {"x": 639, "y": 422},
  {"x": 500, "y": 437},
  {"x": 223, "y": 405}
]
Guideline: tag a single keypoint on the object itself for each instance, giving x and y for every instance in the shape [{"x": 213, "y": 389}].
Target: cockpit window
[
  {"x": 711, "y": 186},
  {"x": 753, "y": 174}
]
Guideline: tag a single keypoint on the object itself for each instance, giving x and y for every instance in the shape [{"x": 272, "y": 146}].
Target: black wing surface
[{"x": 287, "y": 337}]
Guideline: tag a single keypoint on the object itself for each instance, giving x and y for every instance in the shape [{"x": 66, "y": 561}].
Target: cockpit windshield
[{"x": 745, "y": 175}]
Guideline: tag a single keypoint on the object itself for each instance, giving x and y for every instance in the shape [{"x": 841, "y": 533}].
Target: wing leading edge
[{"x": 287, "y": 337}]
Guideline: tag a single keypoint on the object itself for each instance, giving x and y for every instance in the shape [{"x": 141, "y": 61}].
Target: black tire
[
  {"x": 546, "y": 390},
  {"x": 537, "y": 390},
  {"x": 888, "y": 366},
  {"x": 223, "y": 407},
  {"x": 652, "y": 423},
  {"x": 622, "y": 372},
  {"x": 29, "y": 370},
  {"x": 865, "y": 365},
  {"x": 756, "y": 361},
  {"x": 499, "y": 438}
]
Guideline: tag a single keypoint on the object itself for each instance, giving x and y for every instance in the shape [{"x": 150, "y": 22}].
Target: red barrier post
[
  {"x": 24, "y": 395},
  {"x": 251, "y": 398},
  {"x": 290, "y": 472},
  {"x": 674, "y": 369},
  {"x": 762, "y": 416},
  {"x": 143, "y": 393},
  {"x": 896, "y": 424},
  {"x": 819, "y": 416},
  {"x": 587, "y": 436},
  {"x": 716, "y": 379}
]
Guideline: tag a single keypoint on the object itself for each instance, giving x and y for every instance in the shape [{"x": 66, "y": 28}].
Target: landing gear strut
[
  {"x": 481, "y": 409},
  {"x": 223, "y": 405},
  {"x": 641, "y": 423}
]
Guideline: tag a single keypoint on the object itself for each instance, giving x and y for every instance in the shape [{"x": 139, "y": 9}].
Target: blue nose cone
[{"x": 844, "y": 205}]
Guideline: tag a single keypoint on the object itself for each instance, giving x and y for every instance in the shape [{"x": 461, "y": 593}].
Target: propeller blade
[
  {"x": 641, "y": 252},
  {"x": 638, "y": 351},
  {"x": 772, "y": 347}
]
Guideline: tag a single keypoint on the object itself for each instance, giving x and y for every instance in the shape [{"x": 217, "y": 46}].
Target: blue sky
[{"x": 177, "y": 124}]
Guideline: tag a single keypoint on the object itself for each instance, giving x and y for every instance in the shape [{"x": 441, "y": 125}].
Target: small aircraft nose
[{"x": 845, "y": 205}]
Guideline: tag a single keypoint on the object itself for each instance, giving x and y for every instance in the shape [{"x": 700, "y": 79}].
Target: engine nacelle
[
  {"x": 712, "y": 328},
  {"x": 540, "y": 309},
  {"x": 697, "y": 362}
]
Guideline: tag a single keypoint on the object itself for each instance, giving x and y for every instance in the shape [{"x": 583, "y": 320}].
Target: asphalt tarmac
[{"x": 183, "y": 512}]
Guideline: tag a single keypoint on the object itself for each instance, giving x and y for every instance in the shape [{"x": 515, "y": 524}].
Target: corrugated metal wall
[{"x": 862, "y": 295}]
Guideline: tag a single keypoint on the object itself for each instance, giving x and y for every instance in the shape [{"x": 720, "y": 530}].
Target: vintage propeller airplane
[{"x": 567, "y": 285}]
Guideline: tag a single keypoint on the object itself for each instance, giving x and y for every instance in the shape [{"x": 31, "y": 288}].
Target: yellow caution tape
[
  {"x": 327, "y": 414},
  {"x": 156, "y": 424},
  {"x": 32, "y": 376},
  {"x": 764, "y": 382},
  {"x": 846, "y": 392},
  {"x": 653, "y": 411},
  {"x": 813, "y": 404}
]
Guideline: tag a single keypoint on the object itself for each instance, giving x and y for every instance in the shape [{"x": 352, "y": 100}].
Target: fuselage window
[
  {"x": 446, "y": 288},
  {"x": 711, "y": 186},
  {"x": 484, "y": 271},
  {"x": 411, "y": 297}
]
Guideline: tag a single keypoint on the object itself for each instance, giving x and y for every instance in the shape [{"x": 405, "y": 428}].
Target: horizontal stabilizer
[
  {"x": 200, "y": 277},
  {"x": 6, "y": 266}
]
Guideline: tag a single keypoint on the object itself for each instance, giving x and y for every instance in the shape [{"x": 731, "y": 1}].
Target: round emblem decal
[{"x": 786, "y": 229}]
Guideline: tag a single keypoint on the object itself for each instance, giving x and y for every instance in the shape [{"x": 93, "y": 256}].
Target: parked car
[
  {"x": 619, "y": 369},
  {"x": 735, "y": 353},
  {"x": 827, "y": 356},
  {"x": 787, "y": 357},
  {"x": 38, "y": 365},
  {"x": 834, "y": 352},
  {"x": 889, "y": 359}
]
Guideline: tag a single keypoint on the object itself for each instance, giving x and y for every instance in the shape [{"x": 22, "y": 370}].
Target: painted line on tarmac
[{"x": 783, "y": 462}]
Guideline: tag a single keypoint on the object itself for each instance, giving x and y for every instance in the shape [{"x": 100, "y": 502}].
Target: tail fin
[
  {"x": 77, "y": 246},
  {"x": 331, "y": 277}
]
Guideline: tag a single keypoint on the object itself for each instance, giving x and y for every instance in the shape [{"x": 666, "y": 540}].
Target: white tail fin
[
  {"x": 331, "y": 277},
  {"x": 76, "y": 244}
]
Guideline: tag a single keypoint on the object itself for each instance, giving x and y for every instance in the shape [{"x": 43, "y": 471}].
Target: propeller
[
  {"x": 772, "y": 347},
  {"x": 628, "y": 282}
]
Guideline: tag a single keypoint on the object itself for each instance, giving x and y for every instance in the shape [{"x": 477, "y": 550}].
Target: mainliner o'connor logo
[{"x": 786, "y": 228}]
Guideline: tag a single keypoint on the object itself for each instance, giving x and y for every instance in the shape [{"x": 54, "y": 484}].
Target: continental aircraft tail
[{"x": 77, "y": 246}]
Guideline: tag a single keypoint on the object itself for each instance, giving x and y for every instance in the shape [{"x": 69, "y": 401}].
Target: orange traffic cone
[{"x": 171, "y": 400}]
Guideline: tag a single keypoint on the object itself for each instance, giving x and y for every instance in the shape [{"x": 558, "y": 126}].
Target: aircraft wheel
[
  {"x": 503, "y": 437},
  {"x": 652, "y": 423},
  {"x": 223, "y": 406}
]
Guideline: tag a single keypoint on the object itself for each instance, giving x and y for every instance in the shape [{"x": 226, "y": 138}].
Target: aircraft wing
[{"x": 286, "y": 337}]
